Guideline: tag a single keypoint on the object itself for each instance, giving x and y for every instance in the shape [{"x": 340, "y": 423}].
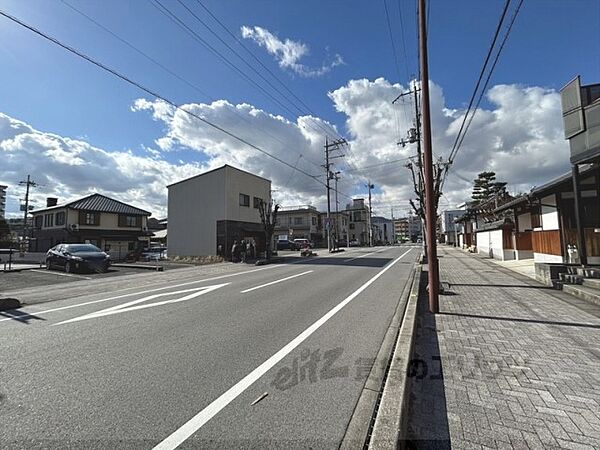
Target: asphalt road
[{"x": 180, "y": 358}]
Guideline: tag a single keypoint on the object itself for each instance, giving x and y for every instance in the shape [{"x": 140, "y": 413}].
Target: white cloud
[
  {"x": 288, "y": 53},
  {"x": 69, "y": 168},
  {"x": 520, "y": 137}
]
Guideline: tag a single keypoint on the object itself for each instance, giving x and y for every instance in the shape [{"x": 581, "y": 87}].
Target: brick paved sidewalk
[{"x": 508, "y": 363}]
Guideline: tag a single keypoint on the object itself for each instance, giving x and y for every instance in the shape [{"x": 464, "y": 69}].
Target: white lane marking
[
  {"x": 91, "y": 302},
  {"x": 195, "y": 423},
  {"x": 366, "y": 254},
  {"x": 60, "y": 274},
  {"x": 130, "y": 306},
  {"x": 275, "y": 282}
]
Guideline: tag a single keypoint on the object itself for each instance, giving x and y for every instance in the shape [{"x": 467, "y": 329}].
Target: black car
[
  {"x": 74, "y": 257},
  {"x": 284, "y": 244}
]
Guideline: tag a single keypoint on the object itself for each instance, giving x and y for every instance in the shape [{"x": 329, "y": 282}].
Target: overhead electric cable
[
  {"x": 269, "y": 71},
  {"x": 166, "y": 69},
  {"x": 481, "y": 74},
  {"x": 136, "y": 84}
]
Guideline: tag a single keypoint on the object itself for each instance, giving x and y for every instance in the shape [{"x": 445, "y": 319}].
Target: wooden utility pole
[
  {"x": 28, "y": 184},
  {"x": 430, "y": 213}
]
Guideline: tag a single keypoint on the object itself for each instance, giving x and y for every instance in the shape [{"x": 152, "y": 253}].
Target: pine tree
[{"x": 485, "y": 186}]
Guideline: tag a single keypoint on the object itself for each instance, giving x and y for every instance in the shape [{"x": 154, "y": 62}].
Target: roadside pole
[
  {"x": 370, "y": 186},
  {"x": 329, "y": 175},
  {"x": 336, "y": 177},
  {"x": 430, "y": 213}
]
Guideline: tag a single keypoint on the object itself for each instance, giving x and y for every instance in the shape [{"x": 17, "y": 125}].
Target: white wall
[
  {"x": 524, "y": 221},
  {"x": 194, "y": 206},
  {"x": 239, "y": 182},
  {"x": 489, "y": 243},
  {"x": 549, "y": 213}
]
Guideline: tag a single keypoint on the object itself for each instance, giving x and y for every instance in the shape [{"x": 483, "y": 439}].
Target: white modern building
[
  {"x": 208, "y": 212},
  {"x": 448, "y": 227},
  {"x": 383, "y": 230}
]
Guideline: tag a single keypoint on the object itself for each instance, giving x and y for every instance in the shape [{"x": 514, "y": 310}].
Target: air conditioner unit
[{"x": 74, "y": 227}]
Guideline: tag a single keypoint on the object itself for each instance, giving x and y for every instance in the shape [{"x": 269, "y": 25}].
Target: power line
[
  {"x": 149, "y": 91},
  {"x": 174, "y": 18},
  {"x": 228, "y": 31},
  {"x": 179, "y": 22},
  {"x": 481, "y": 74},
  {"x": 488, "y": 78},
  {"x": 166, "y": 69}
]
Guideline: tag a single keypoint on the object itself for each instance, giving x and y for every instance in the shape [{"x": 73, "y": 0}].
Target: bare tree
[{"x": 268, "y": 217}]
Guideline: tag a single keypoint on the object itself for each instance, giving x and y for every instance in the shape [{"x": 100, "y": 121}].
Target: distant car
[
  {"x": 354, "y": 243},
  {"x": 302, "y": 243},
  {"x": 74, "y": 257},
  {"x": 154, "y": 254},
  {"x": 284, "y": 244}
]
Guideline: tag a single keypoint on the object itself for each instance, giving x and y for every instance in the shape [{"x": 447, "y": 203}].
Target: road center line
[
  {"x": 61, "y": 308},
  {"x": 195, "y": 423},
  {"x": 275, "y": 282}
]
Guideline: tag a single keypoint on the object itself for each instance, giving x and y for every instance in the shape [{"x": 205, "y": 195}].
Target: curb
[
  {"x": 391, "y": 418},
  {"x": 357, "y": 433}
]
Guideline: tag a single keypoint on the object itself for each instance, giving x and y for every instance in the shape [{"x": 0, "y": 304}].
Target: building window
[
  {"x": 257, "y": 202},
  {"x": 351, "y": 226},
  {"x": 297, "y": 220},
  {"x": 60, "y": 218},
  {"x": 244, "y": 200},
  {"x": 89, "y": 218},
  {"x": 130, "y": 221},
  {"x": 39, "y": 220},
  {"x": 314, "y": 221},
  {"x": 48, "y": 220}
]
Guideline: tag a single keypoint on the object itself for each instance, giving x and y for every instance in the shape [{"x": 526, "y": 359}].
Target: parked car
[
  {"x": 284, "y": 244},
  {"x": 74, "y": 257},
  {"x": 354, "y": 243},
  {"x": 302, "y": 243},
  {"x": 154, "y": 254}
]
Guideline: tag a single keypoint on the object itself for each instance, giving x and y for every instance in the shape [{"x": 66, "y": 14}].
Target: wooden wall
[
  {"x": 524, "y": 240},
  {"x": 592, "y": 240},
  {"x": 547, "y": 242}
]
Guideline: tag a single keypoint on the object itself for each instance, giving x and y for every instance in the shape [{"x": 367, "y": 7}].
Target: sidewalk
[{"x": 507, "y": 363}]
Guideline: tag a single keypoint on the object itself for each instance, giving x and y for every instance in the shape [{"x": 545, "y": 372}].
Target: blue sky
[{"x": 56, "y": 92}]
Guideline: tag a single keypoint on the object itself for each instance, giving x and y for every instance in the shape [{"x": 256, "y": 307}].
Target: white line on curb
[
  {"x": 275, "y": 282},
  {"x": 60, "y": 274},
  {"x": 195, "y": 423}
]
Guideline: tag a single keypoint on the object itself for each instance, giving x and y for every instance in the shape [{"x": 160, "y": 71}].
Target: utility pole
[
  {"x": 393, "y": 227},
  {"x": 329, "y": 147},
  {"x": 336, "y": 177},
  {"x": 370, "y": 186},
  {"x": 430, "y": 213},
  {"x": 28, "y": 184}
]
